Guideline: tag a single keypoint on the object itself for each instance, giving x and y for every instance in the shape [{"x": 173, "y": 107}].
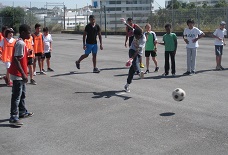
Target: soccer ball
[{"x": 178, "y": 94}]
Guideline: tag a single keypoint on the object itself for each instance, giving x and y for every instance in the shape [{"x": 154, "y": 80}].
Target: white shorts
[{"x": 7, "y": 65}]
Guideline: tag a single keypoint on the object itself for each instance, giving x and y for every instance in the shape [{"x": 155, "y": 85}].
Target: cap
[
  {"x": 10, "y": 30},
  {"x": 223, "y": 23}
]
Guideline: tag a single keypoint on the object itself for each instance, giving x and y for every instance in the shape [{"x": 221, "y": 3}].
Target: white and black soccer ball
[{"x": 178, "y": 94}]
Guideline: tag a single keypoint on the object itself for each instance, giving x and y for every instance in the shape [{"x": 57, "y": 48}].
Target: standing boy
[
  {"x": 90, "y": 43},
  {"x": 135, "y": 53},
  {"x": 18, "y": 73},
  {"x": 170, "y": 42},
  {"x": 151, "y": 48},
  {"x": 191, "y": 36},
  {"x": 47, "y": 49},
  {"x": 38, "y": 48},
  {"x": 219, "y": 42},
  {"x": 130, "y": 36}
]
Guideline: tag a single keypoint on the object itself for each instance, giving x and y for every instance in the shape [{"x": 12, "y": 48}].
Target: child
[
  {"x": 130, "y": 35},
  {"x": 7, "y": 45},
  {"x": 219, "y": 42},
  {"x": 170, "y": 42},
  {"x": 90, "y": 43},
  {"x": 191, "y": 36},
  {"x": 47, "y": 49},
  {"x": 38, "y": 48},
  {"x": 151, "y": 48},
  {"x": 29, "y": 44},
  {"x": 135, "y": 52},
  {"x": 18, "y": 73}
]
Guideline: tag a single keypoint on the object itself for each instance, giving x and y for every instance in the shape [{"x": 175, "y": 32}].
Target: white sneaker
[
  {"x": 127, "y": 88},
  {"x": 34, "y": 74},
  {"x": 141, "y": 74},
  {"x": 42, "y": 73}
]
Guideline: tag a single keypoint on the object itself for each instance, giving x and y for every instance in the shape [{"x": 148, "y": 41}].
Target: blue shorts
[{"x": 91, "y": 48}]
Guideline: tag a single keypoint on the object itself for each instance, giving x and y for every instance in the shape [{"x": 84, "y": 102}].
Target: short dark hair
[
  {"x": 4, "y": 28},
  {"x": 168, "y": 25},
  {"x": 129, "y": 19},
  {"x": 91, "y": 17},
  {"x": 190, "y": 21},
  {"x": 137, "y": 31},
  {"x": 37, "y": 25},
  {"x": 24, "y": 28},
  {"x": 45, "y": 29}
]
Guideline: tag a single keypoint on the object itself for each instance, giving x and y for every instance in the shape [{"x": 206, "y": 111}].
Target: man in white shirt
[
  {"x": 219, "y": 42},
  {"x": 191, "y": 36}
]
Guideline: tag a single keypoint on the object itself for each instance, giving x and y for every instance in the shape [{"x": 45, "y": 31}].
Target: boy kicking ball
[{"x": 135, "y": 52}]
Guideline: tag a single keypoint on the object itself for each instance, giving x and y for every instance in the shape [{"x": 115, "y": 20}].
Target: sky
[{"x": 69, "y": 3}]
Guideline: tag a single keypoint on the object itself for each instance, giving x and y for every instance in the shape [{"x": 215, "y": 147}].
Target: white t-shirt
[
  {"x": 141, "y": 44},
  {"x": 219, "y": 33},
  {"x": 47, "y": 40},
  {"x": 191, "y": 34}
]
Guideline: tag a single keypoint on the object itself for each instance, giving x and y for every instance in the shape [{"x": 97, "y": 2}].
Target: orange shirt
[
  {"x": 29, "y": 45},
  {"x": 1, "y": 37},
  {"x": 38, "y": 43},
  {"x": 7, "y": 51}
]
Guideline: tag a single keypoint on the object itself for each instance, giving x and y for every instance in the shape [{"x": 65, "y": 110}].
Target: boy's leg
[
  {"x": 193, "y": 64},
  {"x": 189, "y": 55},
  {"x": 34, "y": 64},
  {"x": 94, "y": 50},
  {"x": 147, "y": 62},
  {"x": 167, "y": 63},
  {"x": 134, "y": 67},
  {"x": 173, "y": 65},
  {"x": 22, "y": 109}
]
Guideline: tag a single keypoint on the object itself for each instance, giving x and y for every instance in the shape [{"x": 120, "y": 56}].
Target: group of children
[
  {"x": 39, "y": 45},
  {"x": 20, "y": 55}
]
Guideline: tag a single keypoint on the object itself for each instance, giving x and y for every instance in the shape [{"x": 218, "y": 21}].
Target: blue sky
[{"x": 68, "y": 3}]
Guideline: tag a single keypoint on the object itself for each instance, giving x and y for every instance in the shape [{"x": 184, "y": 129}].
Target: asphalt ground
[{"x": 78, "y": 112}]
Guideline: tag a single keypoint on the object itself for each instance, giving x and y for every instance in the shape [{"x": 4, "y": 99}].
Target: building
[{"x": 112, "y": 10}]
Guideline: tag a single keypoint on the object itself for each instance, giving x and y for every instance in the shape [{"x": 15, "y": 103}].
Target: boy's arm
[
  {"x": 100, "y": 39},
  {"x": 175, "y": 44},
  {"x": 126, "y": 38},
  {"x": 17, "y": 62},
  {"x": 84, "y": 40}
]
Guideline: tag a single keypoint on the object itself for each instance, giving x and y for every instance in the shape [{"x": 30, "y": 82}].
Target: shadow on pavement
[
  {"x": 118, "y": 68},
  {"x": 7, "y": 125},
  {"x": 167, "y": 114},
  {"x": 108, "y": 94},
  {"x": 70, "y": 73}
]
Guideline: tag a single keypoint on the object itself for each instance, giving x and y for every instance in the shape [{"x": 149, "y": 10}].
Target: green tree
[
  {"x": 221, "y": 3},
  {"x": 174, "y": 4}
]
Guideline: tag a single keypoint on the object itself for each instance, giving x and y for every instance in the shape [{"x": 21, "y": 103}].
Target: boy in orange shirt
[
  {"x": 7, "y": 45},
  {"x": 38, "y": 48}
]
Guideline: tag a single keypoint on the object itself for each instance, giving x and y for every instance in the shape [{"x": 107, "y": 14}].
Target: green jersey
[
  {"x": 151, "y": 37},
  {"x": 169, "y": 40}
]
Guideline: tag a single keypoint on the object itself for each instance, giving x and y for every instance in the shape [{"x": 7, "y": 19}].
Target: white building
[{"x": 139, "y": 10}]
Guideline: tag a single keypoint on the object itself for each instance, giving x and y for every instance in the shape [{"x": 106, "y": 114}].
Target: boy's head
[
  {"x": 138, "y": 33},
  {"x": 45, "y": 30},
  {"x": 148, "y": 27},
  {"x": 92, "y": 19},
  {"x": 37, "y": 27},
  {"x": 25, "y": 31},
  {"x": 129, "y": 21},
  {"x": 190, "y": 23},
  {"x": 9, "y": 33},
  {"x": 168, "y": 28},
  {"x": 222, "y": 24}
]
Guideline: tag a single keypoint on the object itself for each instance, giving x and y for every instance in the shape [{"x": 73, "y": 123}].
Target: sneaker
[
  {"x": 10, "y": 84},
  {"x": 222, "y": 68},
  {"x": 43, "y": 70},
  {"x": 187, "y": 73},
  {"x": 165, "y": 74},
  {"x": 141, "y": 74},
  {"x": 34, "y": 74},
  {"x": 15, "y": 122},
  {"x": 147, "y": 71},
  {"x": 173, "y": 74},
  {"x": 96, "y": 70},
  {"x": 193, "y": 73},
  {"x": 77, "y": 65},
  {"x": 127, "y": 88},
  {"x": 33, "y": 82},
  {"x": 42, "y": 73},
  {"x": 27, "y": 114},
  {"x": 141, "y": 65},
  {"x": 156, "y": 69},
  {"x": 50, "y": 70},
  {"x": 218, "y": 68}
]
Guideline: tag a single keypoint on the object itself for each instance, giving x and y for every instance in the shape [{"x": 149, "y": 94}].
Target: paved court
[{"x": 78, "y": 112}]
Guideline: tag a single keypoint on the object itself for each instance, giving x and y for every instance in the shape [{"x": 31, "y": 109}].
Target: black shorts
[
  {"x": 30, "y": 61},
  {"x": 46, "y": 55},
  {"x": 38, "y": 54},
  {"x": 152, "y": 53}
]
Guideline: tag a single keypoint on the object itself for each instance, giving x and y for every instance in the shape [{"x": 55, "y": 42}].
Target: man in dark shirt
[{"x": 90, "y": 42}]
